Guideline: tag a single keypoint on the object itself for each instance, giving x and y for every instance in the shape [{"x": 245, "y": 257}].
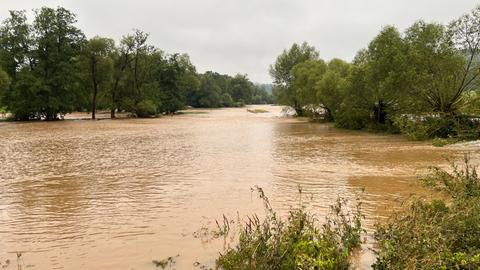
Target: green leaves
[
  {"x": 298, "y": 242},
  {"x": 282, "y": 73},
  {"x": 436, "y": 234}
]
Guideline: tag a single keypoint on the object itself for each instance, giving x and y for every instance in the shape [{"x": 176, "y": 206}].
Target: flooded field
[{"x": 117, "y": 194}]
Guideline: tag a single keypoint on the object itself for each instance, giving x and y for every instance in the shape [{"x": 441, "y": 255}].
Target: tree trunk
[
  {"x": 95, "y": 88},
  {"x": 379, "y": 113},
  {"x": 94, "y": 102},
  {"x": 298, "y": 109}
]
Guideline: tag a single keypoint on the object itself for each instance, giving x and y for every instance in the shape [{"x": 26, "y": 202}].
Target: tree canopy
[
  {"x": 423, "y": 82},
  {"x": 50, "y": 69}
]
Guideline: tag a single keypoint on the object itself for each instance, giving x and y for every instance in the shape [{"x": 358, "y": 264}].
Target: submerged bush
[
  {"x": 437, "y": 234},
  {"x": 298, "y": 242},
  {"x": 426, "y": 127}
]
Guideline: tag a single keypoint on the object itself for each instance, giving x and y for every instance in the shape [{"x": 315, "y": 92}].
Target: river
[{"x": 117, "y": 194}]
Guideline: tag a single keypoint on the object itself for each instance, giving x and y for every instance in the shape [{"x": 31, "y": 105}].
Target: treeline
[
  {"x": 48, "y": 68},
  {"x": 423, "y": 82}
]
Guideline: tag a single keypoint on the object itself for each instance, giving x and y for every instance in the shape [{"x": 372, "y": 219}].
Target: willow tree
[
  {"x": 305, "y": 77},
  {"x": 466, "y": 37},
  {"x": 281, "y": 72},
  {"x": 379, "y": 81},
  {"x": 331, "y": 88},
  {"x": 436, "y": 67}
]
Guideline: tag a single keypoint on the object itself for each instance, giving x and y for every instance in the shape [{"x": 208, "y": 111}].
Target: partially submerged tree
[
  {"x": 331, "y": 89},
  {"x": 282, "y": 74},
  {"x": 42, "y": 61},
  {"x": 306, "y": 75},
  {"x": 98, "y": 60}
]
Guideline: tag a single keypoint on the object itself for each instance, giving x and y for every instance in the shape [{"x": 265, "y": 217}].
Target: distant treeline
[
  {"x": 49, "y": 68},
  {"x": 423, "y": 82}
]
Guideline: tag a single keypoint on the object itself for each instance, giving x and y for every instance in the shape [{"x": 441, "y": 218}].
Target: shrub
[
  {"x": 426, "y": 127},
  {"x": 352, "y": 119},
  {"x": 437, "y": 234},
  {"x": 297, "y": 242},
  {"x": 145, "y": 108}
]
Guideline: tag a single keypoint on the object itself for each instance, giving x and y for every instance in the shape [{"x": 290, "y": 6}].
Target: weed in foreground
[
  {"x": 298, "y": 242},
  {"x": 435, "y": 234}
]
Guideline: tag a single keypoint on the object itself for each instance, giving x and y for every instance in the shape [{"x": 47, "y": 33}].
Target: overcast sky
[{"x": 245, "y": 36}]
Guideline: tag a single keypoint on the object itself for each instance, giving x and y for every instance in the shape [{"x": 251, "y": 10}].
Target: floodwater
[{"x": 118, "y": 194}]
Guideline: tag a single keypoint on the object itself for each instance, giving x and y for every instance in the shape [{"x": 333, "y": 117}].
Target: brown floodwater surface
[{"x": 117, "y": 194}]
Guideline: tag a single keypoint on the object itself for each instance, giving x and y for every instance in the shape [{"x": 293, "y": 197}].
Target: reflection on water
[{"x": 117, "y": 194}]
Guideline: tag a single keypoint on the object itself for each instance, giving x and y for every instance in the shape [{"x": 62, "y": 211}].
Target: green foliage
[
  {"x": 332, "y": 88},
  {"x": 217, "y": 90},
  {"x": 53, "y": 70},
  {"x": 282, "y": 73},
  {"x": 305, "y": 77},
  {"x": 422, "y": 128},
  {"x": 378, "y": 82},
  {"x": 98, "y": 64},
  {"x": 298, "y": 242},
  {"x": 261, "y": 95},
  {"x": 424, "y": 82},
  {"x": 425, "y": 127},
  {"x": 472, "y": 104},
  {"x": 4, "y": 82},
  {"x": 435, "y": 69},
  {"x": 437, "y": 234},
  {"x": 44, "y": 56}
]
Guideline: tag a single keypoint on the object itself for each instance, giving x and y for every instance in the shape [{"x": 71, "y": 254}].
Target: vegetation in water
[
  {"x": 167, "y": 262},
  {"x": 436, "y": 234},
  {"x": 257, "y": 111},
  {"x": 424, "y": 83},
  {"x": 298, "y": 242}
]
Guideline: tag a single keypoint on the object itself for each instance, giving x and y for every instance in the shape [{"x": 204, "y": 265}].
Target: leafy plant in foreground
[
  {"x": 298, "y": 242},
  {"x": 437, "y": 234}
]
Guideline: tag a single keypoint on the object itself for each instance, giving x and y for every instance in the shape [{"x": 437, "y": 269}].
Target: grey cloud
[{"x": 245, "y": 36}]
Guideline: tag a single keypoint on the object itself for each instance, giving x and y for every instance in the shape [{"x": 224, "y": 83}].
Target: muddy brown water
[{"x": 118, "y": 194}]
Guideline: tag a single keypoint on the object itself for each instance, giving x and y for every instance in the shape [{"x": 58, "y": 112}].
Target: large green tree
[
  {"x": 379, "y": 81},
  {"x": 435, "y": 67},
  {"x": 281, "y": 72},
  {"x": 58, "y": 44},
  {"x": 99, "y": 65},
  {"x": 306, "y": 75},
  {"x": 175, "y": 80},
  {"x": 331, "y": 88},
  {"x": 42, "y": 61}
]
